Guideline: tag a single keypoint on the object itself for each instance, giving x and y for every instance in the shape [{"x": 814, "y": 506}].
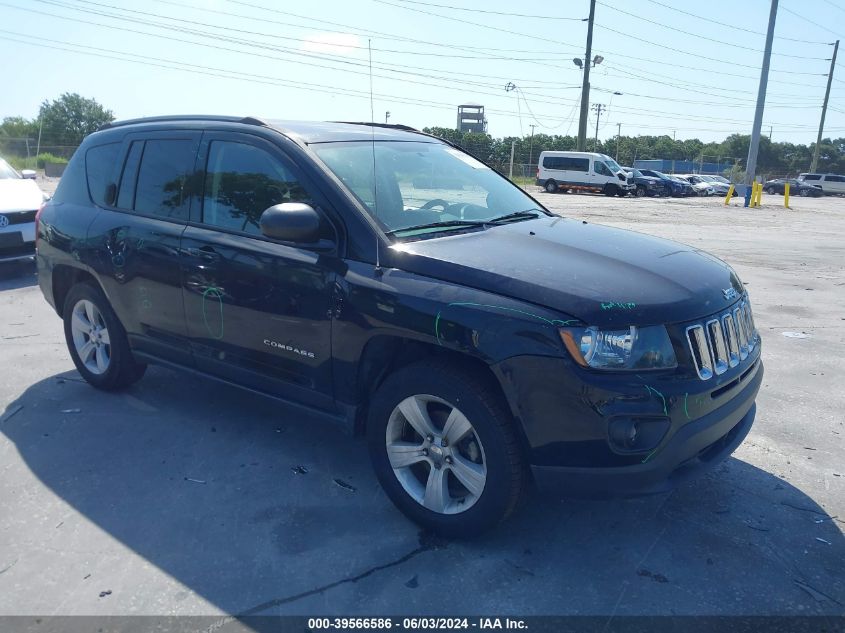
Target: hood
[
  {"x": 19, "y": 195},
  {"x": 648, "y": 178},
  {"x": 601, "y": 275}
]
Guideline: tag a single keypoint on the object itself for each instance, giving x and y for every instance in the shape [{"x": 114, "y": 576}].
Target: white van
[
  {"x": 583, "y": 171},
  {"x": 831, "y": 184}
]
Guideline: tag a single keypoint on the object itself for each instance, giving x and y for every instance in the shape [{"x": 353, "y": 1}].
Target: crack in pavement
[{"x": 427, "y": 543}]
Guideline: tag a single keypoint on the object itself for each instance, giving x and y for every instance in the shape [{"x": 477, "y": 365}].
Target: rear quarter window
[{"x": 99, "y": 170}]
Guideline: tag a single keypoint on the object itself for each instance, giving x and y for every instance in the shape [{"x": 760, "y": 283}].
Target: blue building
[{"x": 683, "y": 166}]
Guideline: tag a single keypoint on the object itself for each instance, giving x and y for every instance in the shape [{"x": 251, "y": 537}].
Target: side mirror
[
  {"x": 28, "y": 174},
  {"x": 291, "y": 222}
]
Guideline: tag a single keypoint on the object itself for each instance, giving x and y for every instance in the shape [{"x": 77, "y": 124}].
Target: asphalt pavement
[{"x": 181, "y": 496}]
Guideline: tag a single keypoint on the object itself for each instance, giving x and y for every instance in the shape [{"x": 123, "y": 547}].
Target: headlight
[{"x": 632, "y": 348}]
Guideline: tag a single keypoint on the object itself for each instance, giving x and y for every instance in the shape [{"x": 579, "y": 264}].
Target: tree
[{"x": 70, "y": 118}]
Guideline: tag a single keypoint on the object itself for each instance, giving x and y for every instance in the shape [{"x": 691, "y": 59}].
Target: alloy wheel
[
  {"x": 436, "y": 454},
  {"x": 90, "y": 337}
]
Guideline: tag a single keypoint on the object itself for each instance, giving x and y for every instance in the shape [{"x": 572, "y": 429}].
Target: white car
[
  {"x": 700, "y": 184},
  {"x": 20, "y": 199}
]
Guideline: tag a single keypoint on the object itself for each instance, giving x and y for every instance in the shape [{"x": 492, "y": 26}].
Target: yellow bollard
[
  {"x": 730, "y": 195},
  {"x": 786, "y": 195},
  {"x": 758, "y": 186}
]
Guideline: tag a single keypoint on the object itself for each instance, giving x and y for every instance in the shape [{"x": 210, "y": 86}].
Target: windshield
[
  {"x": 614, "y": 166},
  {"x": 636, "y": 173},
  {"x": 6, "y": 171},
  {"x": 421, "y": 183}
]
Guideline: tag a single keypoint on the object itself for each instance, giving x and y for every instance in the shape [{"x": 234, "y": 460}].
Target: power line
[
  {"x": 516, "y": 15},
  {"x": 702, "y": 37},
  {"x": 683, "y": 52},
  {"x": 285, "y": 51},
  {"x": 483, "y": 26},
  {"x": 710, "y": 20},
  {"x": 806, "y": 19}
]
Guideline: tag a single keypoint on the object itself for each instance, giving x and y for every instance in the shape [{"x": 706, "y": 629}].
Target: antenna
[
  {"x": 370, "y": 51},
  {"x": 378, "y": 271}
]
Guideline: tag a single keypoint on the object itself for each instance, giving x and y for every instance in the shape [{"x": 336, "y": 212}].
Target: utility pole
[
  {"x": 531, "y": 146},
  {"x": 510, "y": 171},
  {"x": 751, "y": 163},
  {"x": 618, "y": 136},
  {"x": 815, "y": 163},
  {"x": 585, "y": 87},
  {"x": 598, "y": 108}
]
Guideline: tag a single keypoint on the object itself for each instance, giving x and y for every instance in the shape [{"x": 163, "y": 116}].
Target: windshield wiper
[
  {"x": 433, "y": 225},
  {"x": 528, "y": 214}
]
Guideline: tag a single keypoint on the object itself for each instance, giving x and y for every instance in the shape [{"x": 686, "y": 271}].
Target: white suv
[{"x": 829, "y": 183}]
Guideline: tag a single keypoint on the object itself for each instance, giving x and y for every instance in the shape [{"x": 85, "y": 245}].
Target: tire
[
  {"x": 640, "y": 191},
  {"x": 804, "y": 193},
  {"x": 771, "y": 191},
  {"x": 97, "y": 341},
  {"x": 610, "y": 190},
  {"x": 430, "y": 393},
  {"x": 551, "y": 186},
  {"x": 621, "y": 192}
]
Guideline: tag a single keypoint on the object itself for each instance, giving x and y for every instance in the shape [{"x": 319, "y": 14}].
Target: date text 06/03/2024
[{"x": 414, "y": 624}]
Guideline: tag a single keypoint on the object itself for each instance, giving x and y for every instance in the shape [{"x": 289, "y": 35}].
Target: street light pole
[
  {"x": 585, "y": 86},
  {"x": 751, "y": 163}
]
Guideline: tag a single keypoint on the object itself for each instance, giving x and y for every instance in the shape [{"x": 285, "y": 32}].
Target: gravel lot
[{"x": 178, "y": 496}]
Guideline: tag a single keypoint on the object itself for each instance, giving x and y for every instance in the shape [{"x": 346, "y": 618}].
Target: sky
[{"x": 683, "y": 68}]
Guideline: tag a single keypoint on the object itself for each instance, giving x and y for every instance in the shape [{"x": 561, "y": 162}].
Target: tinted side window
[
  {"x": 602, "y": 169},
  {"x": 126, "y": 191},
  {"x": 241, "y": 182},
  {"x": 812, "y": 177},
  {"x": 566, "y": 163},
  {"x": 834, "y": 179},
  {"x": 163, "y": 178},
  {"x": 99, "y": 168}
]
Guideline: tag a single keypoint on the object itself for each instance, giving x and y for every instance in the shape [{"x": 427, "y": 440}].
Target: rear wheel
[
  {"x": 551, "y": 186},
  {"x": 442, "y": 444},
  {"x": 771, "y": 191},
  {"x": 97, "y": 341}
]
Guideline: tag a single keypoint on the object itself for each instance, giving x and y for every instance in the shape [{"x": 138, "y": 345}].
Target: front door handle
[{"x": 206, "y": 253}]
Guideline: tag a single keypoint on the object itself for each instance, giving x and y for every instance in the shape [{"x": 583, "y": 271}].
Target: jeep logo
[
  {"x": 288, "y": 348},
  {"x": 729, "y": 293}
]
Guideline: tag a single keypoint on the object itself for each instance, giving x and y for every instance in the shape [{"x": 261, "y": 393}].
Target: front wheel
[
  {"x": 551, "y": 186},
  {"x": 610, "y": 190},
  {"x": 771, "y": 191},
  {"x": 443, "y": 446},
  {"x": 640, "y": 192},
  {"x": 804, "y": 193},
  {"x": 97, "y": 341}
]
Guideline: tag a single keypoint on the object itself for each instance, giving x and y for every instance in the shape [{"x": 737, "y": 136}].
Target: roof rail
[
  {"x": 186, "y": 117},
  {"x": 392, "y": 126}
]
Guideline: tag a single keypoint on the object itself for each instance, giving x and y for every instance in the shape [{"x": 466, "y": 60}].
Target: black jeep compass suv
[{"x": 399, "y": 286}]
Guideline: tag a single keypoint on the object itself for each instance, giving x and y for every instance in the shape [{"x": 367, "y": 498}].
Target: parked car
[
  {"x": 646, "y": 185},
  {"x": 699, "y": 184},
  {"x": 677, "y": 187},
  {"x": 720, "y": 186},
  {"x": 830, "y": 184},
  {"x": 20, "y": 198},
  {"x": 478, "y": 341},
  {"x": 796, "y": 187},
  {"x": 582, "y": 171}
]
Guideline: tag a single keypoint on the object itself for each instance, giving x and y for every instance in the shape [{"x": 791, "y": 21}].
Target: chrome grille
[{"x": 723, "y": 341}]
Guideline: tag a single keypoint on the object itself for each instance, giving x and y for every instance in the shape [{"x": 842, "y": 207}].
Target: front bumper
[
  {"x": 691, "y": 451},
  {"x": 17, "y": 242}
]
